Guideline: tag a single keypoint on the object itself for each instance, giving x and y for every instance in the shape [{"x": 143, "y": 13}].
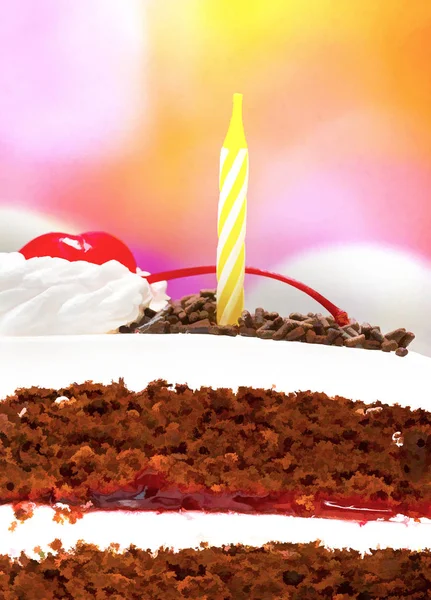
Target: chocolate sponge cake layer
[
  {"x": 171, "y": 448},
  {"x": 275, "y": 571}
]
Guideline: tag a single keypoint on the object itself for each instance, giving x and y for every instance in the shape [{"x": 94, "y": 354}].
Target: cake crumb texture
[{"x": 273, "y": 572}]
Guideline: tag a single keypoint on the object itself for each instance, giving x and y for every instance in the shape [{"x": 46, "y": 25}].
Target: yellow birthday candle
[{"x": 232, "y": 212}]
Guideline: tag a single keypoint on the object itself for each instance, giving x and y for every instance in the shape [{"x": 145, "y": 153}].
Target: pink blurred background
[{"x": 112, "y": 115}]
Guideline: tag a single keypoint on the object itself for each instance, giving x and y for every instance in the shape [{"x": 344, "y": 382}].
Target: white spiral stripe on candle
[
  {"x": 223, "y": 155},
  {"x": 230, "y": 263},
  {"x": 239, "y": 286},
  {"x": 226, "y": 316},
  {"x": 231, "y": 178},
  {"x": 232, "y": 217},
  {"x": 224, "y": 235},
  {"x": 233, "y": 173},
  {"x": 225, "y": 231}
]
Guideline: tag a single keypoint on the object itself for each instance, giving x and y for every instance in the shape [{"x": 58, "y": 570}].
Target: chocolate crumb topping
[{"x": 196, "y": 313}]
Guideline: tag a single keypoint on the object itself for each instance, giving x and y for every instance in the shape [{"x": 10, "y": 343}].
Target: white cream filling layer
[
  {"x": 201, "y": 360},
  {"x": 150, "y": 530}
]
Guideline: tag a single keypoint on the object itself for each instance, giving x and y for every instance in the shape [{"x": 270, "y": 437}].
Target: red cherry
[{"x": 96, "y": 247}]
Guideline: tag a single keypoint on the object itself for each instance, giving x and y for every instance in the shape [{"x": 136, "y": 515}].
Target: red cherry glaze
[
  {"x": 96, "y": 247},
  {"x": 155, "y": 495},
  {"x": 153, "y": 492},
  {"x": 152, "y": 498}
]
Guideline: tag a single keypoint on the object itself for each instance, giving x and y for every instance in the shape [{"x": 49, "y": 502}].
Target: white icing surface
[
  {"x": 52, "y": 296},
  {"x": 218, "y": 362}
]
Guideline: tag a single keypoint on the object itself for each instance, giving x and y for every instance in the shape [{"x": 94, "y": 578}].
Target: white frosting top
[
  {"x": 53, "y": 296},
  {"x": 216, "y": 361}
]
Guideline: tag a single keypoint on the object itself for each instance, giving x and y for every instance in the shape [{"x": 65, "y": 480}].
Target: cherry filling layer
[{"x": 150, "y": 493}]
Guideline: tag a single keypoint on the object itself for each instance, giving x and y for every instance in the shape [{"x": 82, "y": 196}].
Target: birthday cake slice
[
  {"x": 229, "y": 449},
  {"x": 256, "y": 440},
  {"x": 222, "y": 462}
]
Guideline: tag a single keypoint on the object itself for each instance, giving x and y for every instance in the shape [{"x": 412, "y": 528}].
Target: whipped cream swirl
[{"x": 52, "y": 296}]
